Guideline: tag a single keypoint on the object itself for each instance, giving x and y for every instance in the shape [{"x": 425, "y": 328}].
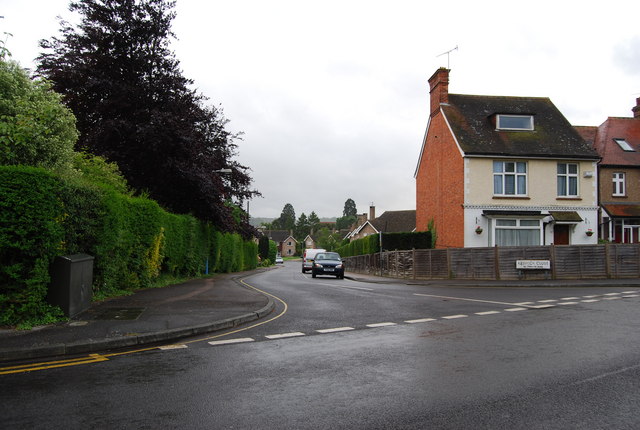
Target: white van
[{"x": 307, "y": 258}]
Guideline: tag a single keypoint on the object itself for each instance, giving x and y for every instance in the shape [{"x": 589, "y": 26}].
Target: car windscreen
[{"x": 331, "y": 256}]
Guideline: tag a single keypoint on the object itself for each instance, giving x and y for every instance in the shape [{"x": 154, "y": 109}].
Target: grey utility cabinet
[{"x": 71, "y": 279}]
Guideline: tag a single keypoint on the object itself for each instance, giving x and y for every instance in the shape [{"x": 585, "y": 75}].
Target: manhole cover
[{"x": 120, "y": 314}]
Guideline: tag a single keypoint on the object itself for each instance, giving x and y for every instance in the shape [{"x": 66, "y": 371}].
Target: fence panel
[
  {"x": 624, "y": 260},
  {"x": 567, "y": 262}
]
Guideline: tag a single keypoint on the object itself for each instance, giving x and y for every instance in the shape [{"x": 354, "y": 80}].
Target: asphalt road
[{"x": 350, "y": 355}]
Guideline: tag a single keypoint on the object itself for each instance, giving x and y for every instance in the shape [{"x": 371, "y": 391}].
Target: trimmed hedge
[
  {"x": 390, "y": 242},
  {"x": 31, "y": 235},
  {"x": 132, "y": 239}
]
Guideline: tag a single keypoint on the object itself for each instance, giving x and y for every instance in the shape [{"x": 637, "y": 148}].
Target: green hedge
[
  {"x": 132, "y": 239},
  {"x": 390, "y": 242},
  {"x": 31, "y": 234}
]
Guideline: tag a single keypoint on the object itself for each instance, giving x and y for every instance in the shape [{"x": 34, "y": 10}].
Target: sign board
[{"x": 533, "y": 264}]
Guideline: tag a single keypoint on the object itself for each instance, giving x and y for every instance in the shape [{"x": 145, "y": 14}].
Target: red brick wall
[{"x": 440, "y": 187}]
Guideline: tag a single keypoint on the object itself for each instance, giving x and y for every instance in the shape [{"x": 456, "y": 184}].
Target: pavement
[{"x": 164, "y": 315}]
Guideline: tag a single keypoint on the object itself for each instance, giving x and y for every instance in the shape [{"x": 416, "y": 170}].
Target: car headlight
[
  {"x": 339, "y": 266},
  {"x": 318, "y": 265}
]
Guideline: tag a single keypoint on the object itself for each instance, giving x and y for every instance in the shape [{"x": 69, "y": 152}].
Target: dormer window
[
  {"x": 624, "y": 145},
  {"x": 514, "y": 122}
]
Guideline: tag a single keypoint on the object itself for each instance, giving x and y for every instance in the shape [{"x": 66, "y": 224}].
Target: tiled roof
[
  {"x": 622, "y": 210},
  {"x": 277, "y": 235},
  {"x": 395, "y": 221},
  {"x": 619, "y": 128},
  {"x": 472, "y": 120}
]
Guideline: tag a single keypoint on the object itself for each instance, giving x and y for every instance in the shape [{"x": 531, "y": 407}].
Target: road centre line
[
  {"x": 453, "y": 317},
  {"x": 590, "y": 301},
  {"x": 421, "y": 320},
  {"x": 345, "y": 286},
  {"x": 471, "y": 300},
  {"x": 231, "y": 341},
  {"x": 335, "y": 330},
  {"x": 487, "y": 313},
  {"x": 284, "y": 335},
  {"x": 384, "y": 324}
]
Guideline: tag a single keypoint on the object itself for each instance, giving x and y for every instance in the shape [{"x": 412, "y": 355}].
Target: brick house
[
  {"x": 617, "y": 141},
  {"x": 284, "y": 239},
  {"x": 498, "y": 170}
]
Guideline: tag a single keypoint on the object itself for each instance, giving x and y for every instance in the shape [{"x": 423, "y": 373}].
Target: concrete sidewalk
[{"x": 145, "y": 317}]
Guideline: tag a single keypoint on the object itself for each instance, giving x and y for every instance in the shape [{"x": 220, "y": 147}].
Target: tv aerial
[{"x": 447, "y": 54}]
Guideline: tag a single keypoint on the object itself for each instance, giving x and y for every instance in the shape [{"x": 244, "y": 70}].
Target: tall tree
[
  {"x": 302, "y": 227},
  {"x": 313, "y": 221},
  {"x": 350, "y": 208},
  {"x": 287, "y": 220},
  {"x": 134, "y": 107}
]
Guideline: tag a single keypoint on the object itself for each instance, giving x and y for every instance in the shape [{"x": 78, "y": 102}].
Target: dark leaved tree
[{"x": 134, "y": 107}]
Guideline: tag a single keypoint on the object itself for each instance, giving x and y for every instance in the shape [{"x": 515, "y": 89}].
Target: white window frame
[
  {"x": 517, "y": 226},
  {"x": 499, "y": 121},
  {"x": 504, "y": 174},
  {"x": 619, "y": 184},
  {"x": 566, "y": 178}
]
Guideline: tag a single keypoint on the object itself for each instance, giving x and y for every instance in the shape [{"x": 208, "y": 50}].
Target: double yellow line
[{"x": 97, "y": 358}]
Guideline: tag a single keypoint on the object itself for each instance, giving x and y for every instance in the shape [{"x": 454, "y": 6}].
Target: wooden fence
[{"x": 604, "y": 261}]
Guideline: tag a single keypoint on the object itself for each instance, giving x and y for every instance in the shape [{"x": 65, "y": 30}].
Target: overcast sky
[{"x": 332, "y": 96}]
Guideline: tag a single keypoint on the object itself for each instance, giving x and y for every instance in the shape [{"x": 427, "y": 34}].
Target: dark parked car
[{"x": 328, "y": 263}]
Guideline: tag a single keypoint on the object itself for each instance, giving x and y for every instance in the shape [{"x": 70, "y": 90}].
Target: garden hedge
[{"x": 132, "y": 239}]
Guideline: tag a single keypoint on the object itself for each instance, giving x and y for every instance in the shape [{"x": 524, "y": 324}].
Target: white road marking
[
  {"x": 590, "y": 297},
  {"x": 542, "y": 306},
  {"x": 421, "y": 320},
  {"x": 630, "y": 296},
  {"x": 488, "y": 313},
  {"x": 170, "y": 347},
  {"x": 568, "y": 303},
  {"x": 468, "y": 300},
  {"x": 612, "y": 298},
  {"x": 384, "y": 324},
  {"x": 522, "y": 303},
  {"x": 231, "y": 341},
  {"x": 334, "y": 330},
  {"x": 629, "y": 292},
  {"x": 570, "y": 298},
  {"x": 612, "y": 294},
  {"x": 515, "y": 309},
  {"x": 547, "y": 301},
  {"x": 284, "y": 335},
  {"x": 345, "y": 286},
  {"x": 590, "y": 301},
  {"x": 452, "y": 317}
]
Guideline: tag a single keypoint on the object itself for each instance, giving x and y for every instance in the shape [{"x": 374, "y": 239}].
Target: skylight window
[
  {"x": 515, "y": 122},
  {"x": 624, "y": 145}
]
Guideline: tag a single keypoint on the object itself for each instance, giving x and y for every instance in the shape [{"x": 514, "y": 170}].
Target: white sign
[{"x": 533, "y": 264}]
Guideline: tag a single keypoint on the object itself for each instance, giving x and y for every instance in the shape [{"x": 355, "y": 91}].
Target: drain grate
[{"x": 120, "y": 314}]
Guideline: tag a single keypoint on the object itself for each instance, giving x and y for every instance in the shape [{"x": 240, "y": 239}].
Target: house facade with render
[
  {"x": 617, "y": 141},
  {"x": 503, "y": 171}
]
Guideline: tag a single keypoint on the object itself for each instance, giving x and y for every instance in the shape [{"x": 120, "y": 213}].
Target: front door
[{"x": 561, "y": 234}]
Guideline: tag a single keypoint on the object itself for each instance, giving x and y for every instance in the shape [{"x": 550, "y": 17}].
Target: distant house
[
  {"x": 388, "y": 222},
  {"x": 284, "y": 239},
  {"x": 309, "y": 242},
  {"x": 500, "y": 170},
  {"x": 617, "y": 141}
]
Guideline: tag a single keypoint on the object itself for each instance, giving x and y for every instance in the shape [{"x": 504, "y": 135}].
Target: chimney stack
[
  {"x": 439, "y": 89},
  {"x": 372, "y": 213},
  {"x": 636, "y": 109}
]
